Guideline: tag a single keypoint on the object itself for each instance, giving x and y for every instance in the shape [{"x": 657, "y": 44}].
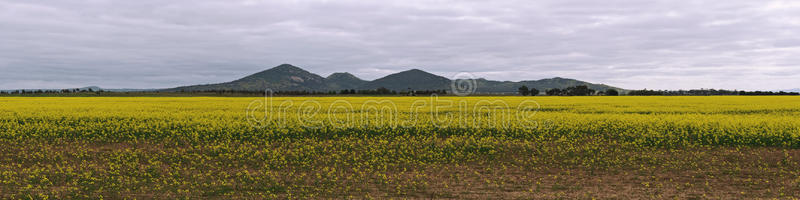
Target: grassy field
[{"x": 400, "y": 147}]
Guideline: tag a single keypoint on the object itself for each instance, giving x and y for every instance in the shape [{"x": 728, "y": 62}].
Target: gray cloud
[{"x": 628, "y": 43}]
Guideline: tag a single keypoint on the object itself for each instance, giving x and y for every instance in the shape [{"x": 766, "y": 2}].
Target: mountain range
[{"x": 287, "y": 77}]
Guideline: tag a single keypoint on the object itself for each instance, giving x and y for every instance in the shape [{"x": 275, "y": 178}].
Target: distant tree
[
  {"x": 524, "y": 90},
  {"x": 612, "y": 92},
  {"x": 383, "y": 90},
  {"x": 580, "y": 90},
  {"x": 534, "y": 92},
  {"x": 553, "y": 92}
]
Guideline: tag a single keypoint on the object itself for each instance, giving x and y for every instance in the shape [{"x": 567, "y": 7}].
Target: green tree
[
  {"x": 524, "y": 90},
  {"x": 612, "y": 92},
  {"x": 580, "y": 90},
  {"x": 534, "y": 92},
  {"x": 554, "y": 92}
]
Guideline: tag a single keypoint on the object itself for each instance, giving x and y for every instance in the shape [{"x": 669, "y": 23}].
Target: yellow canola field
[
  {"x": 727, "y": 147},
  {"x": 647, "y": 121}
]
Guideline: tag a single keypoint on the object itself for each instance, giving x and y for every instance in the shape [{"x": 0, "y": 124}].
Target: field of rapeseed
[{"x": 400, "y": 147}]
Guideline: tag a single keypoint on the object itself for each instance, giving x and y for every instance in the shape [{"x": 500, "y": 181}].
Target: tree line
[
  {"x": 378, "y": 91},
  {"x": 704, "y": 92},
  {"x": 63, "y": 91},
  {"x": 580, "y": 90}
]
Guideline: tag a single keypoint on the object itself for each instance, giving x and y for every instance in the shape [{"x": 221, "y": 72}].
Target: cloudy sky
[{"x": 731, "y": 44}]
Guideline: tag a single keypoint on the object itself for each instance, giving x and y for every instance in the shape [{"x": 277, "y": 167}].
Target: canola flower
[
  {"x": 649, "y": 121},
  {"x": 395, "y": 147}
]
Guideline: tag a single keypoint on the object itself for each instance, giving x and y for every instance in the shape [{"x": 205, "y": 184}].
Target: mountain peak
[
  {"x": 415, "y": 70},
  {"x": 340, "y": 75},
  {"x": 287, "y": 67},
  {"x": 283, "y": 77},
  {"x": 411, "y": 73},
  {"x": 415, "y": 74},
  {"x": 343, "y": 80},
  {"x": 282, "y": 70},
  {"x": 415, "y": 79}
]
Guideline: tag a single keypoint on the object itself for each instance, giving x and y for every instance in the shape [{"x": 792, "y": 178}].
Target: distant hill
[
  {"x": 343, "y": 80},
  {"x": 287, "y": 77},
  {"x": 414, "y": 79},
  {"x": 789, "y": 90},
  {"x": 284, "y": 77},
  {"x": 489, "y": 86}
]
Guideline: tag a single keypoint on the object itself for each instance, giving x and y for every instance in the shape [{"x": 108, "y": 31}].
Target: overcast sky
[{"x": 730, "y": 44}]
